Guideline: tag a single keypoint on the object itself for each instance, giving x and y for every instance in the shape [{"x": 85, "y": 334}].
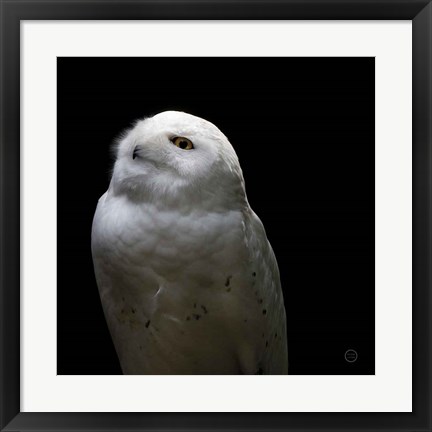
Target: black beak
[{"x": 135, "y": 153}]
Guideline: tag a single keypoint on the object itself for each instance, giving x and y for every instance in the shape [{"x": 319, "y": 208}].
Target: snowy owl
[{"x": 188, "y": 281}]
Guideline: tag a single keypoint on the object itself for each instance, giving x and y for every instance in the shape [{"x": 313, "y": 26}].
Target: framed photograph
[
  {"x": 329, "y": 225},
  {"x": 194, "y": 194}
]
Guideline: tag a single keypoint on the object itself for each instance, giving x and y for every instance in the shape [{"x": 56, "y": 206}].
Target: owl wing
[{"x": 270, "y": 343}]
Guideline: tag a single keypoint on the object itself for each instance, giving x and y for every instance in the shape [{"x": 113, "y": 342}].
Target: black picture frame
[{"x": 12, "y": 12}]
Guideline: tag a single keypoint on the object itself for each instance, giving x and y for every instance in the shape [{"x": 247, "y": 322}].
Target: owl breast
[{"x": 179, "y": 290}]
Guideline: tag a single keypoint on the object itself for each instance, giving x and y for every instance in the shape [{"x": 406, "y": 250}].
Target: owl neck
[{"x": 182, "y": 196}]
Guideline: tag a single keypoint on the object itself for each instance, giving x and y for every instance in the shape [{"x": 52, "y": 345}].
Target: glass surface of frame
[{"x": 12, "y": 13}]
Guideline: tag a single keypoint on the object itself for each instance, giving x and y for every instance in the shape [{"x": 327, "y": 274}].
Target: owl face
[{"x": 175, "y": 151}]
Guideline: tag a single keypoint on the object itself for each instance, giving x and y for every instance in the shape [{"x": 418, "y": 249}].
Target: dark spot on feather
[
  {"x": 245, "y": 320},
  {"x": 123, "y": 298},
  {"x": 196, "y": 316},
  {"x": 266, "y": 344},
  {"x": 147, "y": 324},
  {"x": 263, "y": 335},
  {"x": 260, "y": 301},
  {"x": 133, "y": 310},
  {"x": 140, "y": 347},
  {"x": 188, "y": 318},
  {"x": 194, "y": 305},
  {"x": 275, "y": 335},
  {"x": 122, "y": 311},
  {"x": 227, "y": 282},
  {"x": 204, "y": 309},
  {"x": 264, "y": 311},
  {"x": 254, "y": 274}
]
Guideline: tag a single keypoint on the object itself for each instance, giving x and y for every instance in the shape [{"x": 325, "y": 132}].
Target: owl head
[{"x": 174, "y": 157}]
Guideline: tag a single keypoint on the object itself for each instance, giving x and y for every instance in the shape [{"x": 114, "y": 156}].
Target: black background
[{"x": 303, "y": 129}]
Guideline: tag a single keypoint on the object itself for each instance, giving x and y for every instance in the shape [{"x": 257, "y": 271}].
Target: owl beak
[{"x": 135, "y": 153}]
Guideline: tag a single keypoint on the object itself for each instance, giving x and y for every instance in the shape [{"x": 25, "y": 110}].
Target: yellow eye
[{"x": 182, "y": 143}]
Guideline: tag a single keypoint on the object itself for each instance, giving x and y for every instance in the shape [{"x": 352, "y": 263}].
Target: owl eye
[{"x": 182, "y": 143}]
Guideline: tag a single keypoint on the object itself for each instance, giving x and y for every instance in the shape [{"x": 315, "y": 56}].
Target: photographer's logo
[{"x": 351, "y": 356}]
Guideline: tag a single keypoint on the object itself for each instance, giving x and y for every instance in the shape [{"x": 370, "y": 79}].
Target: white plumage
[{"x": 188, "y": 280}]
